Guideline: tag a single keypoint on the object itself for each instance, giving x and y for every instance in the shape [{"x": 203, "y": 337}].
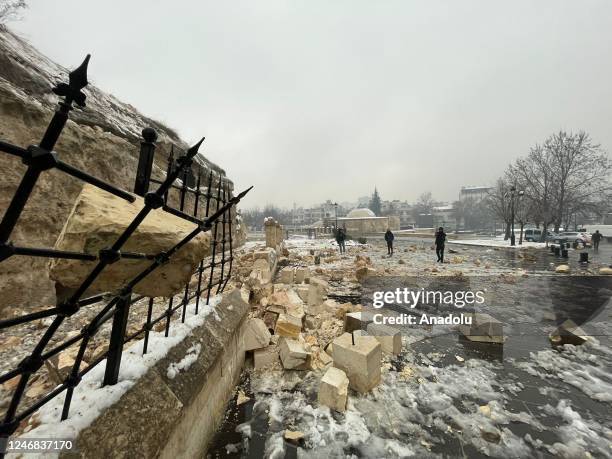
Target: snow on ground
[
  {"x": 443, "y": 398},
  {"x": 497, "y": 242},
  {"x": 90, "y": 398}
]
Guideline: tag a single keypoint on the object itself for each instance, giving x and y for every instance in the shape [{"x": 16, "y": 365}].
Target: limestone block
[
  {"x": 568, "y": 333},
  {"x": 363, "y": 272},
  {"x": 333, "y": 390},
  {"x": 360, "y": 361},
  {"x": 317, "y": 291},
  {"x": 286, "y": 275},
  {"x": 265, "y": 357},
  {"x": 389, "y": 338},
  {"x": 270, "y": 319},
  {"x": 484, "y": 328},
  {"x": 288, "y": 326},
  {"x": 267, "y": 254},
  {"x": 256, "y": 334},
  {"x": 357, "y": 320},
  {"x": 302, "y": 292},
  {"x": 301, "y": 274},
  {"x": 262, "y": 264},
  {"x": 294, "y": 355},
  {"x": 270, "y": 229},
  {"x": 313, "y": 322},
  {"x": 96, "y": 222},
  {"x": 325, "y": 358}
]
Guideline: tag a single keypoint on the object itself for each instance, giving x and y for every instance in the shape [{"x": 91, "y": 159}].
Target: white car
[{"x": 573, "y": 236}]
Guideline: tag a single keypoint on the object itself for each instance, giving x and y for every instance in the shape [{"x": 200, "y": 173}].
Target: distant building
[
  {"x": 444, "y": 216},
  {"x": 477, "y": 193},
  {"x": 362, "y": 221},
  {"x": 400, "y": 208},
  {"x": 307, "y": 216}
]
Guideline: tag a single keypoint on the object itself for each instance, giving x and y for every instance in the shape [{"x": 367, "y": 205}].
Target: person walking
[
  {"x": 340, "y": 239},
  {"x": 595, "y": 238},
  {"x": 440, "y": 240},
  {"x": 389, "y": 238}
]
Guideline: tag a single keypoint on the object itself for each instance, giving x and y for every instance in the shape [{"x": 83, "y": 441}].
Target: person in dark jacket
[
  {"x": 595, "y": 238},
  {"x": 340, "y": 238},
  {"x": 440, "y": 240},
  {"x": 389, "y": 238}
]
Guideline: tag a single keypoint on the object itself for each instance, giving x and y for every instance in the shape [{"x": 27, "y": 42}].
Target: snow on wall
[{"x": 90, "y": 398}]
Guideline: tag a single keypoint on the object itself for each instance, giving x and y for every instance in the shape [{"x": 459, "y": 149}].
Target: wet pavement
[{"x": 446, "y": 396}]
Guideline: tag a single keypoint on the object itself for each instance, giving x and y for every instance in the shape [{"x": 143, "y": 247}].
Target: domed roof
[{"x": 361, "y": 213}]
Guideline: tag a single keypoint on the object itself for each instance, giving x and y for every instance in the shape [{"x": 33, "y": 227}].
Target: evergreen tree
[{"x": 375, "y": 203}]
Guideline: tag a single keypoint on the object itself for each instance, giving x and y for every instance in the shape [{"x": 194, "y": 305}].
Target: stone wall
[
  {"x": 102, "y": 139},
  {"x": 275, "y": 233},
  {"x": 176, "y": 417}
]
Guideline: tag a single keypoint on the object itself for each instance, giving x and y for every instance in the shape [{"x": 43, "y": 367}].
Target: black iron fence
[{"x": 210, "y": 209}]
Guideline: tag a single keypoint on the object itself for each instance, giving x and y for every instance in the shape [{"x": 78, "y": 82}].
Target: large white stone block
[
  {"x": 288, "y": 326},
  {"x": 333, "y": 390},
  {"x": 390, "y": 338},
  {"x": 294, "y": 355},
  {"x": 256, "y": 334},
  {"x": 360, "y": 361},
  {"x": 98, "y": 219}
]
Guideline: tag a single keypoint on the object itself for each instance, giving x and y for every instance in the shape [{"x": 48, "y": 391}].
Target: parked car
[
  {"x": 534, "y": 235},
  {"x": 573, "y": 236}
]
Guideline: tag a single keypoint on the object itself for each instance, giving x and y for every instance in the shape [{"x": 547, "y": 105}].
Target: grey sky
[{"x": 316, "y": 99}]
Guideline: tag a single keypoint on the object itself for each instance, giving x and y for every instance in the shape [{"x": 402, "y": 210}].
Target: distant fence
[{"x": 212, "y": 274}]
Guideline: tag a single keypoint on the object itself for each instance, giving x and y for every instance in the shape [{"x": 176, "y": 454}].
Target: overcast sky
[{"x": 324, "y": 99}]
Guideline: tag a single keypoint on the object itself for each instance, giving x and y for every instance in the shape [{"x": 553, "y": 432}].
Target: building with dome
[
  {"x": 361, "y": 222},
  {"x": 362, "y": 212}
]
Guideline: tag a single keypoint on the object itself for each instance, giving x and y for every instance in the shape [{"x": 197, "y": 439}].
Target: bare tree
[
  {"x": 498, "y": 201},
  {"x": 11, "y": 9},
  {"x": 581, "y": 171},
  {"x": 535, "y": 176}
]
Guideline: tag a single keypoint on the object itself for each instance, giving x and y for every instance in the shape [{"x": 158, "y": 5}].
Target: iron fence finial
[{"x": 77, "y": 80}]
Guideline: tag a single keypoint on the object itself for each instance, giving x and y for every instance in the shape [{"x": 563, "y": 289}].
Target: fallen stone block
[
  {"x": 270, "y": 319},
  {"x": 605, "y": 271},
  {"x": 294, "y": 436},
  {"x": 364, "y": 272},
  {"x": 317, "y": 291},
  {"x": 313, "y": 322},
  {"x": 286, "y": 275},
  {"x": 256, "y": 334},
  {"x": 265, "y": 357},
  {"x": 237, "y": 298},
  {"x": 97, "y": 220},
  {"x": 357, "y": 320},
  {"x": 484, "y": 329},
  {"x": 333, "y": 390},
  {"x": 390, "y": 338},
  {"x": 288, "y": 326},
  {"x": 325, "y": 358},
  {"x": 568, "y": 333},
  {"x": 302, "y": 292},
  {"x": 294, "y": 355},
  {"x": 360, "y": 361},
  {"x": 301, "y": 274}
]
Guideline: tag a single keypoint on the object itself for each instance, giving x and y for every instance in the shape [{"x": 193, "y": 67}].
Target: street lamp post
[
  {"x": 336, "y": 210},
  {"x": 513, "y": 195}
]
